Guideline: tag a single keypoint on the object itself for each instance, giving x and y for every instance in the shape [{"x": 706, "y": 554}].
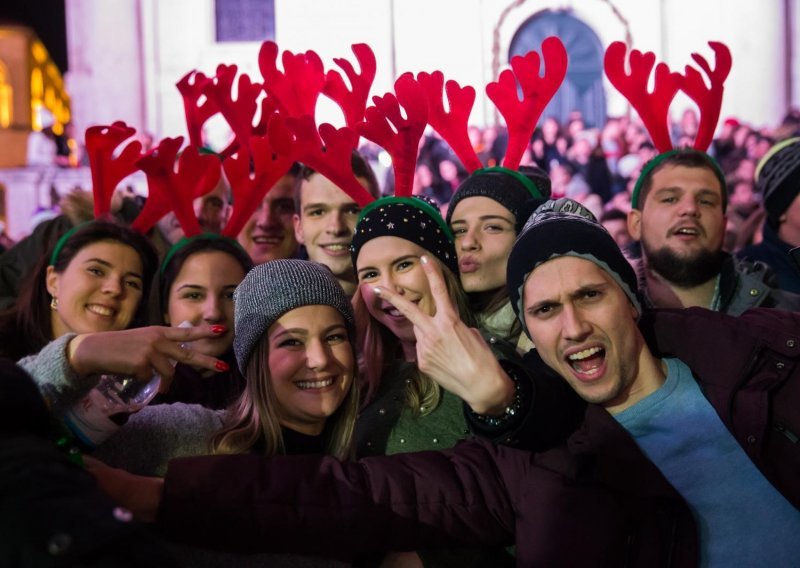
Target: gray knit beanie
[{"x": 271, "y": 289}]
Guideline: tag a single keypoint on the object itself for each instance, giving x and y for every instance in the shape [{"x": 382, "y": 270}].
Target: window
[{"x": 245, "y": 20}]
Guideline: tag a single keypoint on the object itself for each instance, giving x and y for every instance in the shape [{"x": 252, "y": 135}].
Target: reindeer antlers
[
  {"x": 352, "y": 102},
  {"x": 298, "y": 138},
  {"x": 708, "y": 99},
  {"x": 248, "y": 191},
  {"x": 239, "y": 113},
  {"x": 402, "y": 142},
  {"x": 169, "y": 189},
  {"x": 297, "y": 88},
  {"x": 521, "y": 116},
  {"x": 107, "y": 171},
  {"x": 653, "y": 108},
  {"x": 451, "y": 126},
  {"x": 191, "y": 87}
]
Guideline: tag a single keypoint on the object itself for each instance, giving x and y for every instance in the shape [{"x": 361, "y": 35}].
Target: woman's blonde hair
[
  {"x": 252, "y": 422},
  {"x": 379, "y": 349}
]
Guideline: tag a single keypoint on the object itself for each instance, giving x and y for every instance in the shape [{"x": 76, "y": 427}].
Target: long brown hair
[
  {"x": 26, "y": 327},
  {"x": 379, "y": 349},
  {"x": 252, "y": 421}
]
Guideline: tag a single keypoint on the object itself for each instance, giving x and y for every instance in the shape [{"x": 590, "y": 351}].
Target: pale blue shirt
[{"x": 743, "y": 519}]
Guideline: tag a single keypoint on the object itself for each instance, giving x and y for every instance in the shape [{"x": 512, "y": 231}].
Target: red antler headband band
[{"x": 653, "y": 107}]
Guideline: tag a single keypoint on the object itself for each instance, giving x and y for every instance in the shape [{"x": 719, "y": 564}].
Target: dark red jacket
[{"x": 594, "y": 501}]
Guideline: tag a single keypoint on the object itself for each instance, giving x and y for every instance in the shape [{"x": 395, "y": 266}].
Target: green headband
[
  {"x": 423, "y": 206},
  {"x": 63, "y": 240},
  {"x": 658, "y": 160},
  {"x": 186, "y": 240},
  {"x": 521, "y": 178}
]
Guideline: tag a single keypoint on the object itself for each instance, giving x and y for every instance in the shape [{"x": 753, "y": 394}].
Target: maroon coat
[{"x": 594, "y": 501}]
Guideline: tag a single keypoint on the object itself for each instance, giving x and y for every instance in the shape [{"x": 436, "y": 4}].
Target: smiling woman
[
  {"x": 94, "y": 279},
  {"x": 406, "y": 410},
  {"x": 392, "y": 235},
  {"x": 293, "y": 343},
  {"x": 196, "y": 285}
]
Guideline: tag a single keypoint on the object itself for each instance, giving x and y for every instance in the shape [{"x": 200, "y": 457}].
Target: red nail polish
[
  {"x": 222, "y": 366},
  {"x": 218, "y": 328}
]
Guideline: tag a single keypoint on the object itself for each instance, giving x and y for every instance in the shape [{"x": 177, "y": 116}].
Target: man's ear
[
  {"x": 51, "y": 279},
  {"x": 635, "y": 224},
  {"x": 298, "y": 229}
]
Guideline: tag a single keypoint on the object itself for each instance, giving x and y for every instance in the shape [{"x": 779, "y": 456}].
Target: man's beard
[{"x": 681, "y": 270}]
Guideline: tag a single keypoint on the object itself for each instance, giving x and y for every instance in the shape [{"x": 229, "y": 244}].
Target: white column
[{"x": 105, "y": 78}]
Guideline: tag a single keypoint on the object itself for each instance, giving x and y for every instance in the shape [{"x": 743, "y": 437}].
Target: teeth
[
  {"x": 584, "y": 354},
  {"x": 314, "y": 384},
  {"x": 101, "y": 310},
  {"x": 394, "y": 312},
  {"x": 337, "y": 247},
  {"x": 687, "y": 231}
]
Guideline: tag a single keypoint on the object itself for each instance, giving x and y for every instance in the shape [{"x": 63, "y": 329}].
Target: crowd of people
[{"x": 589, "y": 359}]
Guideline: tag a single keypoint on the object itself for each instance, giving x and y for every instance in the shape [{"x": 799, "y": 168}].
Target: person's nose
[
  {"x": 113, "y": 286},
  {"x": 574, "y": 326},
  {"x": 318, "y": 354},
  {"x": 212, "y": 309},
  {"x": 336, "y": 225},
  {"x": 469, "y": 240}
]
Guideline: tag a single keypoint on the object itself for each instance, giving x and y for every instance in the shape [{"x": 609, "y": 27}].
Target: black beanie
[
  {"x": 778, "y": 178},
  {"x": 563, "y": 227},
  {"x": 414, "y": 219},
  {"x": 510, "y": 188}
]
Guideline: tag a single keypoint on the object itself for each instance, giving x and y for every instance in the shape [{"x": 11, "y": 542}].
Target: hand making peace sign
[{"x": 452, "y": 354}]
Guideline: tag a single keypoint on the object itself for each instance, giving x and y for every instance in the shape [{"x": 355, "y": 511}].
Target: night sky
[{"x": 46, "y": 17}]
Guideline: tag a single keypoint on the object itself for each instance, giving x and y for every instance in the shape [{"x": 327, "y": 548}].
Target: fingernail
[
  {"x": 377, "y": 291},
  {"x": 423, "y": 259},
  {"x": 218, "y": 328},
  {"x": 222, "y": 366}
]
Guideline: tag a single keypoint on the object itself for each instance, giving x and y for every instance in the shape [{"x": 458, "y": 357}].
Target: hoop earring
[{"x": 54, "y": 303}]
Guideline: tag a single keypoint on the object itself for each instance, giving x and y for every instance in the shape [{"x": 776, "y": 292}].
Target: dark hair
[
  {"x": 613, "y": 215},
  {"x": 361, "y": 169},
  {"x": 26, "y": 328},
  {"x": 685, "y": 157},
  {"x": 194, "y": 245}
]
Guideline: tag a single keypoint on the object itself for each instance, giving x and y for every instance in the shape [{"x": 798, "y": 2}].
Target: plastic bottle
[{"x": 106, "y": 407}]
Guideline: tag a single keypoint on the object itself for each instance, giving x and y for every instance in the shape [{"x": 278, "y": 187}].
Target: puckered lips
[
  {"x": 468, "y": 264},
  {"x": 587, "y": 362},
  {"x": 317, "y": 385}
]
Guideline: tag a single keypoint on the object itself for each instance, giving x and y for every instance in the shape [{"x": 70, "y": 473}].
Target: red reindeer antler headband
[
  {"x": 108, "y": 171},
  {"x": 653, "y": 107},
  {"x": 521, "y": 116}
]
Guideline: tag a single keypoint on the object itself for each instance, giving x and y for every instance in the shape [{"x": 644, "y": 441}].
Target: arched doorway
[{"x": 582, "y": 89}]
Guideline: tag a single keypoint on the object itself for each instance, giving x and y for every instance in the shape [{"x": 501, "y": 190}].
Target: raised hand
[
  {"x": 141, "y": 352},
  {"x": 452, "y": 354}
]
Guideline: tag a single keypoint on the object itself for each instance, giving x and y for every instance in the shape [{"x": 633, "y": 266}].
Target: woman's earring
[{"x": 54, "y": 303}]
